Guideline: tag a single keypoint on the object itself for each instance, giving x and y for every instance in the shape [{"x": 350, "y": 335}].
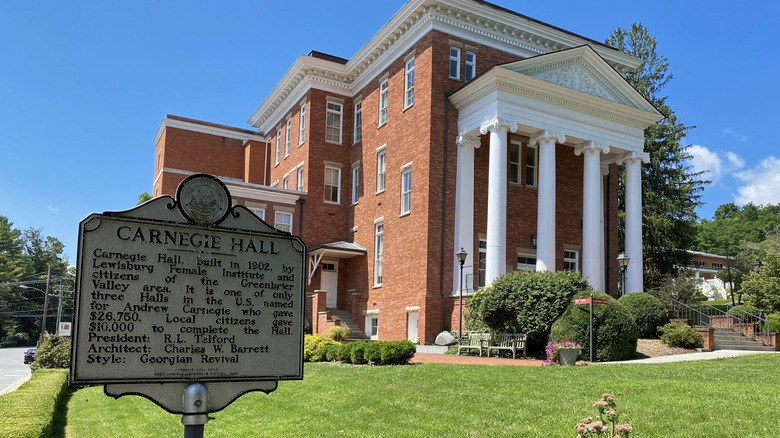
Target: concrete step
[
  {"x": 728, "y": 339},
  {"x": 345, "y": 318}
]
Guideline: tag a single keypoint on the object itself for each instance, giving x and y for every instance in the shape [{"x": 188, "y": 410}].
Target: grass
[{"x": 685, "y": 399}]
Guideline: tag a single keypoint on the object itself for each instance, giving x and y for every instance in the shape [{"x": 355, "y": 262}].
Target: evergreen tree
[
  {"x": 670, "y": 190},
  {"x": 11, "y": 243}
]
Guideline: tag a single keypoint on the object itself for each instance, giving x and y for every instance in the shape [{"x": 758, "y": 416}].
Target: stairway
[
  {"x": 345, "y": 318},
  {"x": 728, "y": 339}
]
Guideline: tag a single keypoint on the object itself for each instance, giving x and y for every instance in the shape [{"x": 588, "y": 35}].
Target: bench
[
  {"x": 475, "y": 341},
  {"x": 513, "y": 342}
]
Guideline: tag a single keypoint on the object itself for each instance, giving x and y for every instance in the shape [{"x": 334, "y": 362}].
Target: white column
[
  {"x": 464, "y": 209},
  {"x": 545, "y": 219},
  {"x": 602, "y": 227},
  {"x": 591, "y": 211},
  {"x": 633, "y": 189},
  {"x": 495, "y": 257}
]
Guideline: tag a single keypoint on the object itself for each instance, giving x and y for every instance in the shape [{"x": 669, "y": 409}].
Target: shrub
[
  {"x": 525, "y": 302},
  {"x": 338, "y": 333},
  {"x": 329, "y": 352},
  {"x": 397, "y": 352},
  {"x": 372, "y": 354},
  {"x": 614, "y": 329},
  {"x": 53, "y": 353},
  {"x": 683, "y": 289},
  {"x": 679, "y": 335},
  {"x": 647, "y": 310},
  {"x": 30, "y": 410},
  {"x": 774, "y": 322},
  {"x": 311, "y": 346},
  {"x": 357, "y": 353}
]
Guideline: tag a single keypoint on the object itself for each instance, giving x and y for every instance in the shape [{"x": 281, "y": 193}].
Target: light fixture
[
  {"x": 756, "y": 265},
  {"x": 533, "y": 239},
  {"x": 462, "y": 254},
  {"x": 623, "y": 260}
]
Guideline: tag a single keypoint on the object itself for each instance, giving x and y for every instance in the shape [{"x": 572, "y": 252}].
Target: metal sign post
[
  {"x": 590, "y": 301},
  {"x": 190, "y": 302}
]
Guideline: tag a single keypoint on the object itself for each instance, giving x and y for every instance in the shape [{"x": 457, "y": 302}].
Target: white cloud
[
  {"x": 703, "y": 159},
  {"x": 53, "y": 209},
  {"x": 760, "y": 183},
  {"x": 727, "y": 132}
]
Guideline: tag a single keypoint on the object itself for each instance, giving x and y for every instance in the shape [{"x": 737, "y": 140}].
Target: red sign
[{"x": 587, "y": 301}]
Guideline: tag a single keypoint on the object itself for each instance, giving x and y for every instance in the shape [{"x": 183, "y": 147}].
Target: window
[
  {"x": 571, "y": 260},
  {"x": 471, "y": 65},
  {"x": 481, "y": 263},
  {"x": 530, "y": 165},
  {"x": 383, "y": 102},
  {"x": 378, "y": 249},
  {"x": 302, "y": 125},
  {"x": 409, "y": 84},
  {"x": 372, "y": 327},
  {"x": 526, "y": 262},
  {"x": 454, "y": 63},
  {"x": 332, "y": 182},
  {"x": 283, "y": 221},
  {"x": 287, "y": 138},
  {"x": 717, "y": 265},
  {"x": 333, "y": 123},
  {"x": 278, "y": 145},
  {"x": 300, "y": 179},
  {"x": 406, "y": 191},
  {"x": 358, "y": 121},
  {"x": 286, "y": 182},
  {"x": 514, "y": 162},
  {"x": 259, "y": 213},
  {"x": 355, "y": 182},
  {"x": 698, "y": 264},
  {"x": 380, "y": 171}
]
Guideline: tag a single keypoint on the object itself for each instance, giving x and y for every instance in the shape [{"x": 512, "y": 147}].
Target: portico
[{"x": 571, "y": 102}]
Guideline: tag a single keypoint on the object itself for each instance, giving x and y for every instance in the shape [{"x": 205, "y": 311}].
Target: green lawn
[{"x": 719, "y": 398}]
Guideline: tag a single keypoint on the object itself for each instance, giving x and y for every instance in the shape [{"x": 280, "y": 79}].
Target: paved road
[{"x": 12, "y": 368}]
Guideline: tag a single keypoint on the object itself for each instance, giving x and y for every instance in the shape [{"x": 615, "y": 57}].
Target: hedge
[
  {"x": 29, "y": 411},
  {"x": 319, "y": 348},
  {"x": 648, "y": 312}
]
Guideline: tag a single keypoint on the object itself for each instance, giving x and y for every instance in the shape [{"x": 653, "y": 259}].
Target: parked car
[{"x": 29, "y": 355}]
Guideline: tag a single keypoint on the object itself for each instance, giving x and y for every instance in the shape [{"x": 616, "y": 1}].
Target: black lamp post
[
  {"x": 623, "y": 260},
  {"x": 462, "y": 254}
]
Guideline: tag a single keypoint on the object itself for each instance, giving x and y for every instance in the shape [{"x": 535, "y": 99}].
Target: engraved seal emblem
[{"x": 203, "y": 199}]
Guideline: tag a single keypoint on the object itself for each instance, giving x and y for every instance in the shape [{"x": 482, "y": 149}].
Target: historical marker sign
[{"x": 186, "y": 290}]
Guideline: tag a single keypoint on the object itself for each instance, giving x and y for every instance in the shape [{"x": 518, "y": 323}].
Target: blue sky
[{"x": 84, "y": 86}]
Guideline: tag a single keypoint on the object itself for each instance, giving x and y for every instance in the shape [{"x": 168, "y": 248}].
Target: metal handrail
[
  {"x": 756, "y": 325},
  {"x": 684, "y": 311}
]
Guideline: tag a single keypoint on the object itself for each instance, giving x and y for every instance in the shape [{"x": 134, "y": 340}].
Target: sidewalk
[{"x": 709, "y": 355}]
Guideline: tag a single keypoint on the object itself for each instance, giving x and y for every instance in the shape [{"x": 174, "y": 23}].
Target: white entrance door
[
  {"x": 329, "y": 282},
  {"x": 413, "y": 320}
]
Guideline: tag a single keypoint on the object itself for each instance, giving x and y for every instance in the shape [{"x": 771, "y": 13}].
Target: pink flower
[
  {"x": 624, "y": 428},
  {"x": 599, "y": 404}
]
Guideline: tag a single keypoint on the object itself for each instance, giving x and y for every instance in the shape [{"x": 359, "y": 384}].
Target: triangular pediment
[{"x": 582, "y": 69}]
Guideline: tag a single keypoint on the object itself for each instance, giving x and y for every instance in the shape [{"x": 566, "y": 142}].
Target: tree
[
  {"x": 143, "y": 197},
  {"x": 670, "y": 190},
  {"x": 11, "y": 243},
  {"x": 732, "y": 226},
  {"x": 762, "y": 287}
]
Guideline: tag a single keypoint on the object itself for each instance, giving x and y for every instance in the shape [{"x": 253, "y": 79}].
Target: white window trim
[
  {"x": 472, "y": 64},
  {"x": 302, "y": 124},
  {"x": 370, "y": 318},
  {"x": 384, "y": 96},
  {"x": 575, "y": 260},
  {"x": 409, "y": 85},
  {"x": 455, "y": 59},
  {"x": 340, "y": 112},
  {"x": 381, "y": 176},
  {"x": 526, "y": 253},
  {"x": 357, "y": 135},
  {"x": 535, "y": 165},
  {"x": 379, "y": 255},
  {"x": 286, "y": 182},
  {"x": 287, "y": 133},
  {"x": 300, "y": 175},
  {"x": 407, "y": 169},
  {"x": 338, "y": 186},
  {"x": 283, "y": 213},
  {"x": 517, "y": 164},
  {"x": 355, "y": 182},
  {"x": 278, "y": 146}
]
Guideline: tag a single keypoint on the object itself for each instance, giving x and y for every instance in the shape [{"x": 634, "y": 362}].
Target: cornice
[
  {"x": 237, "y": 133},
  {"x": 471, "y": 20}
]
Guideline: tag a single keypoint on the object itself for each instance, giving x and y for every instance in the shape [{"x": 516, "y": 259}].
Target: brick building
[{"x": 460, "y": 124}]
